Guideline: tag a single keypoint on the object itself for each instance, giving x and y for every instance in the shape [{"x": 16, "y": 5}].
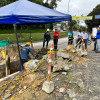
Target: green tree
[
  {"x": 94, "y": 22},
  {"x": 51, "y": 3}
]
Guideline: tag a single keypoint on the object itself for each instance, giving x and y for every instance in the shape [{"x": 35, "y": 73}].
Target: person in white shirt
[
  {"x": 85, "y": 37},
  {"x": 79, "y": 41}
]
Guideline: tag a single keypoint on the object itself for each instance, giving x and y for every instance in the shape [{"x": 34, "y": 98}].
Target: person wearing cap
[
  {"x": 24, "y": 54},
  {"x": 56, "y": 37},
  {"x": 47, "y": 38},
  {"x": 70, "y": 38}
]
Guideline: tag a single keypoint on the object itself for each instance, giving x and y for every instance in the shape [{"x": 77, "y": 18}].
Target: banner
[
  {"x": 97, "y": 16},
  {"x": 82, "y": 18}
]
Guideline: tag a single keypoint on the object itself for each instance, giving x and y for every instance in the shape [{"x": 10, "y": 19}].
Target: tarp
[
  {"x": 97, "y": 16},
  {"x": 24, "y": 11},
  {"x": 4, "y": 43}
]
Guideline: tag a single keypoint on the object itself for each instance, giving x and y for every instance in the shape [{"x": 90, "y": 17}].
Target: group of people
[
  {"x": 47, "y": 38},
  {"x": 26, "y": 49},
  {"x": 79, "y": 38},
  {"x": 97, "y": 41}
]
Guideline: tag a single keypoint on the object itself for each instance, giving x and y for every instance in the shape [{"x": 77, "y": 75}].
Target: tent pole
[
  {"x": 71, "y": 28},
  {"x": 31, "y": 38},
  {"x": 18, "y": 46},
  {"x": 6, "y": 62}
]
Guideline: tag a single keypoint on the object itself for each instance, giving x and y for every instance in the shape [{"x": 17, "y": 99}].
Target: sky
[{"x": 77, "y": 7}]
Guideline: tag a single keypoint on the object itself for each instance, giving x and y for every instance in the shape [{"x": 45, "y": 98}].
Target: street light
[{"x": 68, "y": 5}]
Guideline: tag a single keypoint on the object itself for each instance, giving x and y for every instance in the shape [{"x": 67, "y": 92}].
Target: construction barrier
[
  {"x": 83, "y": 43},
  {"x": 26, "y": 74},
  {"x": 50, "y": 62},
  {"x": 31, "y": 43},
  {"x": 48, "y": 76}
]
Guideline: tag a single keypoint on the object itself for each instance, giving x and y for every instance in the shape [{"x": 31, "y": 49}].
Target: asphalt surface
[{"x": 87, "y": 75}]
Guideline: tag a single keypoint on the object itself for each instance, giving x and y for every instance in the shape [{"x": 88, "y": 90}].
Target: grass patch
[
  {"x": 26, "y": 37},
  {"x": 81, "y": 90},
  {"x": 70, "y": 77}
]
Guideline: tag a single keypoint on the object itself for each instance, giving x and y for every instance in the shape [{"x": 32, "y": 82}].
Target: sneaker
[{"x": 97, "y": 51}]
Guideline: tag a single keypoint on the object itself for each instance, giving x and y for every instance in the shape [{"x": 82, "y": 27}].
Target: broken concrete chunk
[
  {"x": 64, "y": 73},
  {"x": 48, "y": 87},
  {"x": 62, "y": 67},
  {"x": 66, "y": 68},
  {"x": 71, "y": 93},
  {"x": 62, "y": 90},
  {"x": 82, "y": 53}
]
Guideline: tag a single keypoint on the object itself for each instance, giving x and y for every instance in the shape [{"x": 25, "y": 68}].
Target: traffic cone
[
  {"x": 83, "y": 43},
  {"x": 31, "y": 43},
  {"x": 48, "y": 86}
]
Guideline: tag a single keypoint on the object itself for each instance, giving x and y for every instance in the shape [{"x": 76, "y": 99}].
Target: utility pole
[
  {"x": 68, "y": 6},
  {"x": 71, "y": 26}
]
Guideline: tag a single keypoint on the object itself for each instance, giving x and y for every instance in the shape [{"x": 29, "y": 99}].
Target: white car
[{"x": 94, "y": 33}]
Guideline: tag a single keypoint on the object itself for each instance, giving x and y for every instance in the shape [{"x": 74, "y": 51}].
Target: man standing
[
  {"x": 85, "y": 37},
  {"x": 98, "y": 41},
  {"x": 78, "y": 42},
  {"x": 46, "y": 38},
  {"x": 70, "y": 38},
  {"x": 24, "y": 54},
  {"x": 56, "y": 37}
]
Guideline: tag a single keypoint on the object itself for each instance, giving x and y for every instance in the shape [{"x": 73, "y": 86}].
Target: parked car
[{"x": 94, "y": 33}]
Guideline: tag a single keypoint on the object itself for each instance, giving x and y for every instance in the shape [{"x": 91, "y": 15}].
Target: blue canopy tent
[
  {"x": 97, "y": 16},
  {"x": 26, "y": 12}
]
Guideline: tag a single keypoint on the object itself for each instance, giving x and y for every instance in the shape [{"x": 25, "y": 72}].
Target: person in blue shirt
[
  {"x": 85, "y": 38},
  {"x": 70, "y": 38},
  {"x": 24, "y": 54},
  {"x": 98, "y": 40},
  {"x": 47, "y": 38}
]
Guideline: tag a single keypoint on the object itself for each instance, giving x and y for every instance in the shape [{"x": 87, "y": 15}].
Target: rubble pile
[{"x": 62, "y": 63}]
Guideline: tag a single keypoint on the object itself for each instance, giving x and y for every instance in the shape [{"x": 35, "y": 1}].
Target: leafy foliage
[{"x": 94, "y": 22}]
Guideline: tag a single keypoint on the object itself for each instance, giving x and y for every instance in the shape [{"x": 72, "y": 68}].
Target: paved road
[
  {"x": 39, "y": 45},
  {"x": 87, "y": 76}
]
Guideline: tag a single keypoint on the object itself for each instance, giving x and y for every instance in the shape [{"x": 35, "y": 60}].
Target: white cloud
[{"x": 77, "y": 7}]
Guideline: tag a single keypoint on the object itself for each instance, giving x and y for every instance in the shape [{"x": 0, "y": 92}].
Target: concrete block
[
  {"x": 82, "y": 53},
  {"x": 64, "y": 55},
  {"x": 48, "y": 87},
  {"x": 65, "y": 68},
  {"x": 62, "y": 67}
]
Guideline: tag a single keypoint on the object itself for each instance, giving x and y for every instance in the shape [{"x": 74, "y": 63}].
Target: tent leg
[
  {"x": 31, "y": 38},
  {"x": 6, "y": 62},
  {"x": 71, "y": 28},
  {"x": 18, "y": 46}
]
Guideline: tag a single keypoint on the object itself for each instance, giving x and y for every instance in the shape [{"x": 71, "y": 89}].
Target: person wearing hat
[
  {"x": 56, "y": 37},
  {"x": 47, "y": 38},
  {"x": 24, "y": 54}
]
